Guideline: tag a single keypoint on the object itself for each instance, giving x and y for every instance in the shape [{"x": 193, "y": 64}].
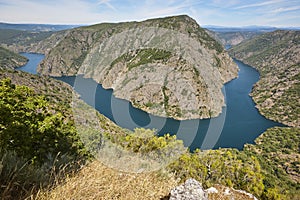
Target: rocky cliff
[
  {"x": 168, "y": 67},
  {"x": 277, "y": 57}
]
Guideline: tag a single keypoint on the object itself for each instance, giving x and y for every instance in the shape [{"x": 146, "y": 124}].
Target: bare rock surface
[{"x": 168, "y": 67}]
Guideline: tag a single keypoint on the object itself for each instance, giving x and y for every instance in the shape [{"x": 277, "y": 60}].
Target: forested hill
[{"x": 276, "y": 55}]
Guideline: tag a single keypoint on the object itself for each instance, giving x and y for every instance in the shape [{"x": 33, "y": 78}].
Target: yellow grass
[{"x": 96, "y": 181}]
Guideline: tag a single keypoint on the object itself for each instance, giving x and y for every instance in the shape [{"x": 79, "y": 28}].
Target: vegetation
[
  {"x": 39, "y": 143},
  {"x": 143, "y": 56},
  {"x": 184, "y": 23},
  {"x": 10, "y": 60},
  {"x": 20, "y": 37},
  {"x": 278, "y": 153},
  {"x": 225, "y": 166},
  {"x": 260, "y": 169},
  {"x": 97, "y": 181},
  {"x": 275, "y": 55},
  {"x": 32, "y": 128},
  {"x": 34, "y": 134}
]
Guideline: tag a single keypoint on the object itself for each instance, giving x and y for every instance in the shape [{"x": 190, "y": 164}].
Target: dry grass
[
  {"x": 96, "y": 181},
  {"x": 226, "y": 193}
]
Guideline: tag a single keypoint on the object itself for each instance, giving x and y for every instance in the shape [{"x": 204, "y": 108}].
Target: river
[{"x": 239, "y": 123}]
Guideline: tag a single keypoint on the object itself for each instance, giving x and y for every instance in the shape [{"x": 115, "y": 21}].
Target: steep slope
[
  {"x": 168, "y": 66},
  {"x": 277, "y": 150},
  {"x": 276, "y": 55},
  {"x": 10, "y": 60},
  {"x": 238, "y": 169}
]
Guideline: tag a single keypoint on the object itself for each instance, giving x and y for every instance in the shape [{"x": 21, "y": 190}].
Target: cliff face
[
  {"x": 168, "y": 66},
  {"x": 277, "y": 57}
]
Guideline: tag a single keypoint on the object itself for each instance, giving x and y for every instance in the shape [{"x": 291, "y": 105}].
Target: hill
[
  {"x": 229, "y": 39},
  {"x": 28, "y": 41},
  {"x": 255, "y": 169},
  {"x": 231, "y": 36},
  {"x": 42, "y": 141},
  {"x": 276, "y": 56},
  {"x": 37, "y": 162},
  {"x": 10, "y": 60},
  {"x": 168, "y": 66}
]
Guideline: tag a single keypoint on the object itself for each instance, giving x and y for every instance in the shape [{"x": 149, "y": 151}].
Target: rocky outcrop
[
  {"x": 190, "y": 190},
  {"x": 276, "y": 56},
  {"x": 168, "y": 67},
  {"x": 193, "y": 190}
]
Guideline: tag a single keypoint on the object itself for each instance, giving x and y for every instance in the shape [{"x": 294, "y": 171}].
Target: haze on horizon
[{"x": 278, "y": 13}]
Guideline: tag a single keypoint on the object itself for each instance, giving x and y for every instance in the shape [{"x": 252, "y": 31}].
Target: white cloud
[
  {"x": 59, "y": 12},
  {"x": 231, "y": 13},
  {"x": 264, "y": 3},
  {"x": 108, "y": 4},
  {"x": 281, "y": 10}
]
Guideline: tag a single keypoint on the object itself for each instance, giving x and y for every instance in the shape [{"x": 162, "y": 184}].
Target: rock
[
  {"x": 190, "y": 190},
  {"x": 169, "y": 67},
  {"x": 212, "y": 190}
]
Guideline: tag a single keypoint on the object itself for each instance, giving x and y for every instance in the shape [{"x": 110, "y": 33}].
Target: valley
[{"x": 158, "y": 80}]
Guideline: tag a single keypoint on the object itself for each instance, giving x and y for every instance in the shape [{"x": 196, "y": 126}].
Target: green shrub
[{"x": 32, "y": 128}]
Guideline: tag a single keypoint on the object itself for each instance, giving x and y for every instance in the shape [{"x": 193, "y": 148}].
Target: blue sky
[{"x": 280, "y": 13}]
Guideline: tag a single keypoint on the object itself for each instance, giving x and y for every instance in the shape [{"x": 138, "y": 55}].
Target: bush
[
  {"x": 38, "y": 143},
  {"x": 32, "y": 128}
]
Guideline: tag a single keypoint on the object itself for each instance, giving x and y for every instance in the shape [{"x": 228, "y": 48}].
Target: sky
[{"x": 279, "y": 13}]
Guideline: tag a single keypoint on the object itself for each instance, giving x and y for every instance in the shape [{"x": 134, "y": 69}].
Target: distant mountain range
[
  {"x": 247, "y": 28},
  {"x": 59, "y": 27},
  {"x": 36, "y": 27}
]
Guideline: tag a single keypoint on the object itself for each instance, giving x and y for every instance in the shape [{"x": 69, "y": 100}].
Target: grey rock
[{"x": 190, "y": 190}]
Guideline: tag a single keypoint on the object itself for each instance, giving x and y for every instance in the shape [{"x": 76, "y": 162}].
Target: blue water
[
  {"x": 34, "y": 60},
  {"x": 239, "y": 123}
]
